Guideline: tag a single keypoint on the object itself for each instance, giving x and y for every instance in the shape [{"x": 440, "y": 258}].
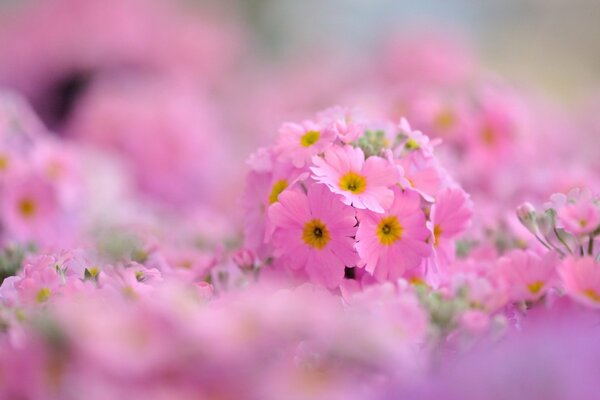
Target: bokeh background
[{"x": 551, "y": 44}]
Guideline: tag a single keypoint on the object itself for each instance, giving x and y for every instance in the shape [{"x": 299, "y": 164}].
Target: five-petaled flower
[{"x": 314, "y": 232}]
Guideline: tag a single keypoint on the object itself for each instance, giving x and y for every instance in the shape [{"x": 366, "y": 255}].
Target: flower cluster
[{"x": 341, "y": 194}]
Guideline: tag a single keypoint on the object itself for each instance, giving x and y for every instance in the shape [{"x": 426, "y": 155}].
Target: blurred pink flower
[
  {"x": 30, "y": 209},
  {"x": 527, "y": 275},
  {"x": 44, "y": 277},
  {"x": 132, "y": 281},
  {"x": 580, "y": 218},
  {"x": 186, "y": 264},
  {"x": 581, "y": 279},
  {"x": 443, "y": 115}
]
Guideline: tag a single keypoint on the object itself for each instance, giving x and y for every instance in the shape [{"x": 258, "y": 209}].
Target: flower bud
[
  {"x": 245, "y": 259},
  {"x": 546, "y": 222},
  {"x": 526, "y": 215}
]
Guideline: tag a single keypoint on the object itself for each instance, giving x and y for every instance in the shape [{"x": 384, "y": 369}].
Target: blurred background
[{"x": 552, "y": 44}]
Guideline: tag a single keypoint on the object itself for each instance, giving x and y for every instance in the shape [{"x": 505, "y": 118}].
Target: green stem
[{"x": 562, "y": 241}]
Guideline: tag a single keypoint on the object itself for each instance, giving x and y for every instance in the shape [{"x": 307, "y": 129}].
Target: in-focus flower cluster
[{"x": 342, "y": 196}]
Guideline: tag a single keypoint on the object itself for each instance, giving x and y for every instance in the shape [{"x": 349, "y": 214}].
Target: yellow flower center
[
  {"x": 3, "y": 163},
  {"x": 445, "y": 119},
  {"x": 316, "y": 234},
  {"x": 488, "y": 136},
  {"x": 411, "y": 144},
  {"x": 276, "y": 190},
  {"x": 310, "y": 138},
  {"x": 389, "y": 230},
  {"x": 139, "y": 276},
  {"x": 129, "y": 293},
  {"x": 91, "y": 273},
  {"x": 27, "y": 207},
  {"x": 42, "y": 295},
  {"x": 353, "y": 182},
  {"x": 592, "y": 295},
  {"x": 437, "y": 232},
  {"x": 417, "y": 281},
  {"x": 535, "y": 287}
]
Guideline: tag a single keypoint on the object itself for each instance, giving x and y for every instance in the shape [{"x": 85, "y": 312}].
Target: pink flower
[
  {"x": 395, "y": 241},
  {"x": 363, "y": 184},
  {"x": 497, "y": 122},
  {"x": 132, "y": 281},
  {"x": 244, "y": 258},
  {"x": 423, "y": 174},
  {"x": 580, "y": 218},
  {"x": 10, "y": 162},
  {"x": 581, "y": 279},
  {"x": 484, "y": 290},
  {"x": 298, "y": 143},
  {"x": 30, "y": 209},
  {"x": 58, "y": 163},
  {"x": 262, "y": 189},
  {"x": 254, "y": 203},
  {"x": 186, "y": 264},
  {"x": 43, "y": 277},
  {"x": 314, "y": 232},
  {"x": 38, "y": 284},
  {"x": 440, "y": 115},
  {"x": 450, "y": 216},
  {"x": 416, "y": 140},
  {"x": 347, "y": 124},
  {"x": 526, "y": 275}
]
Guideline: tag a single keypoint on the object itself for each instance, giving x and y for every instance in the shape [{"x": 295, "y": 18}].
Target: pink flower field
[{"x": 279, "y": 200}]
